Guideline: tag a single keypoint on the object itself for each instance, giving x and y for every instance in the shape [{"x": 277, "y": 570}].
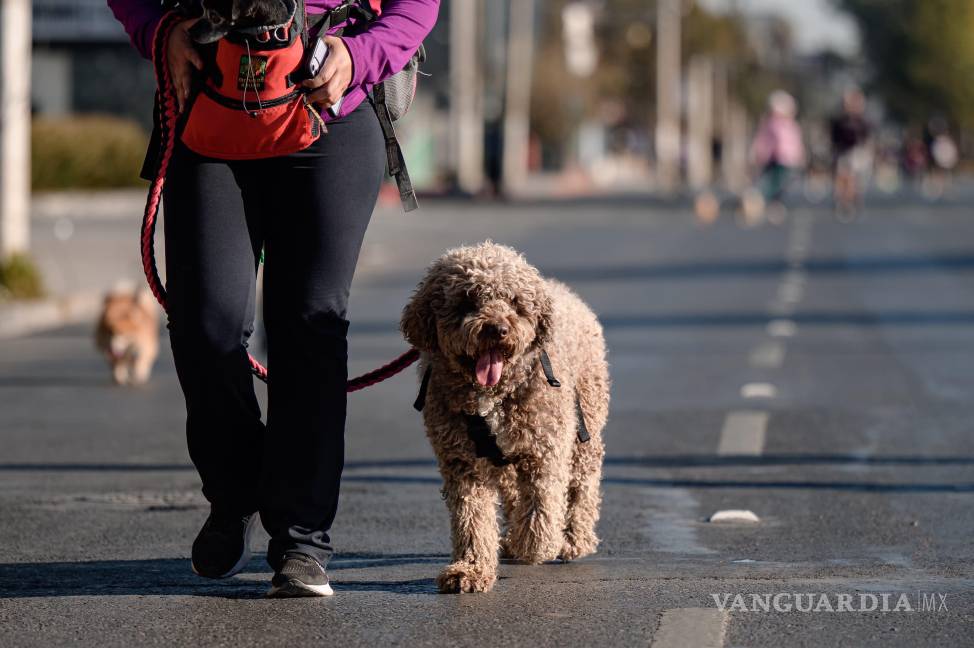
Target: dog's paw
[
  {"x": 532, "y": 548},
  {"x": 574, "y": 548},
  {"x": 534, "y": 553},
  {"x": 465, "y": 577},
  {"x": 505, "y": 549}
]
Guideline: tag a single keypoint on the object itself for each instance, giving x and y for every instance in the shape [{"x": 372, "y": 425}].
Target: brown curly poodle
[{"x": 483, "y": 318}]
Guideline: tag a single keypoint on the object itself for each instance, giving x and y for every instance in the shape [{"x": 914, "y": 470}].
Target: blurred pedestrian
[
  {"x": 943, "y": 155},
  {"x": 851, "y": 153},
  {"x": 913, "y": 157},
  {"x": 309, "y": 210},
  {"x": 777, "y": 149}
]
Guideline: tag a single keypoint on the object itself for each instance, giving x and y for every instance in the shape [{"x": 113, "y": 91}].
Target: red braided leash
[{"x": 168, "y": 115}]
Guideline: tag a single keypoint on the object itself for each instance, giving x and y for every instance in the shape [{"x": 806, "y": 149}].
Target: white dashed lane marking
[
  {"x": 759, "y": 390},
  {"x": 767, "y": 355},
  {"x": 790, "y": 293},
  {"x": 743, "y": 433},
  {"x": 782, "y": 328},
  {"x": 686, "y": 627}
]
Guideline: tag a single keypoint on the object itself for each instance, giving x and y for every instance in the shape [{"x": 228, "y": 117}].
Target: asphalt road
[{"x": 817, "y": 374}]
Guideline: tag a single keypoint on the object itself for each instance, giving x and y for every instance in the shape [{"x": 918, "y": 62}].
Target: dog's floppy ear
[
  {"x": 418, "y": 323},
  {"x": 545, "y": 315},
  {"x": 540, "y": 308}
]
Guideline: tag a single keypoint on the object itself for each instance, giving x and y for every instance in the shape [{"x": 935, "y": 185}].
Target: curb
[{"x": 26, "y": 317}]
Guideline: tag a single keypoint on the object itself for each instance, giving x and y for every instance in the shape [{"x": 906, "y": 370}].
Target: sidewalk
[{"x": 83, "y": 243}]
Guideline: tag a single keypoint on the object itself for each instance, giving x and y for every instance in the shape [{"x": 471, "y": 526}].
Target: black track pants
[{"x": 310, "y": 211}]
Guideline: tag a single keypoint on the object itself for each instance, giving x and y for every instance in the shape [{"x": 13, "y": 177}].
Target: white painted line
[
  {"x": 735, "y": 515},
  {"x": 782, "y": 328},
  {"x": 767, "y": 355},
  {"x": 691, "y": 628},
  {"x": 759, "y": 390},
  {"x": 790, "y": 293},
  {"x": 743, "y": 433}
]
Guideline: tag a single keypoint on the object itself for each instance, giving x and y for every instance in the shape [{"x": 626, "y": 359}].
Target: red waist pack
[{"x": 248, "y": 107}]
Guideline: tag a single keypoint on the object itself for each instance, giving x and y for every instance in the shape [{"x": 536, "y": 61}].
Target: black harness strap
[
  {"x": 477, "y": 428},
  {"x": 394, "y": 156},
  {"x": 338, "y": 15},
  {"x": 423, "y": 386},
  {"x": 583, "y": 435},
  {"x": 484, "y": 441},
  {"x": 549, "y": 373}
]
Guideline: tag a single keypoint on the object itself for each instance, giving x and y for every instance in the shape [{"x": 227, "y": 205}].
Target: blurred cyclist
[{"x": 851, "y": 155}]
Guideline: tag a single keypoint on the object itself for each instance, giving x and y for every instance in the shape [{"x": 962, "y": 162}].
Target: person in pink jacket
[
  {"x": 777, "y": 149},
  {"x": 308, "y": 211}
]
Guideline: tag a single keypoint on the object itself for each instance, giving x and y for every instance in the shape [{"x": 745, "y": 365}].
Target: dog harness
[{"x": 485, "y": 442}]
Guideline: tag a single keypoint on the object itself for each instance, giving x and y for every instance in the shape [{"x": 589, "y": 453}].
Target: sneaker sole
[
  {"x": 244, "y": 557},
  {"x": 296, "y": 589}
]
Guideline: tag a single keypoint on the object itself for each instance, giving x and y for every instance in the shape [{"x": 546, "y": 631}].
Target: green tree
[{"x": 922, "y": 55}]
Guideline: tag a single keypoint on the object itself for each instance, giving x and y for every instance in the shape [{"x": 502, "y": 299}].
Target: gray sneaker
[{"x": 298, "y": 576}]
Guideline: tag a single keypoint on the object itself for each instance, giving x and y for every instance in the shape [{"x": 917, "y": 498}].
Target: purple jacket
[{"x": 380, "y": 51}]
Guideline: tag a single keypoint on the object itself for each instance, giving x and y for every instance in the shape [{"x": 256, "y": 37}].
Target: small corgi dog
[{"x": 128, "y": 334}]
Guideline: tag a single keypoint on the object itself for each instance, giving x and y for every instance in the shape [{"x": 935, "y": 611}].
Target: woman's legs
[
  {"x": 210, "y": 279},
  {"x": 317, "y": 207}
]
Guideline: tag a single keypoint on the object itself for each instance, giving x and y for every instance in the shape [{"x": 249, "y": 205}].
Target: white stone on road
[{"x": 735, "y": 515}]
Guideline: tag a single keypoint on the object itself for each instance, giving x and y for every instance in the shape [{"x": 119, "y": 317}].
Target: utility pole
[
  {"x": 517, "y": 101},
  {"x": 734, "y": 159},
  {"x": 668, "y": 23},
  {"x": 466, "y": 96},
  {"x": 15, "y": 51},
  {"x": 700, "y": 122}
]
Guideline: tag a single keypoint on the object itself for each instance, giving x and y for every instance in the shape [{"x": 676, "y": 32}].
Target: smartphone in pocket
[{"x": 316, "y": 59}]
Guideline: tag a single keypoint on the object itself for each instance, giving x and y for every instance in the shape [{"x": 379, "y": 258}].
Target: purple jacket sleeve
[
  {"x": 140, "y": 19},
  {"x": 387, "y": 45}
]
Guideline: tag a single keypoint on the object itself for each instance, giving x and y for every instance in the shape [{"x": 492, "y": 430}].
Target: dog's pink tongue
[{"x": 489, "y": 367}]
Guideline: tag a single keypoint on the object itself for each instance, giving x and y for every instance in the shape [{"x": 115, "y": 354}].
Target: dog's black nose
[{"x": 503, "y": 330}]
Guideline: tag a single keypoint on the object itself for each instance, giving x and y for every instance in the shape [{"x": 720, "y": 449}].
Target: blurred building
[{"x": 82, "y": 62}]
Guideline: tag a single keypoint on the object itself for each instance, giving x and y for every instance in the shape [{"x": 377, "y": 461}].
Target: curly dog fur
[{"x": 481, "y": 317}]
